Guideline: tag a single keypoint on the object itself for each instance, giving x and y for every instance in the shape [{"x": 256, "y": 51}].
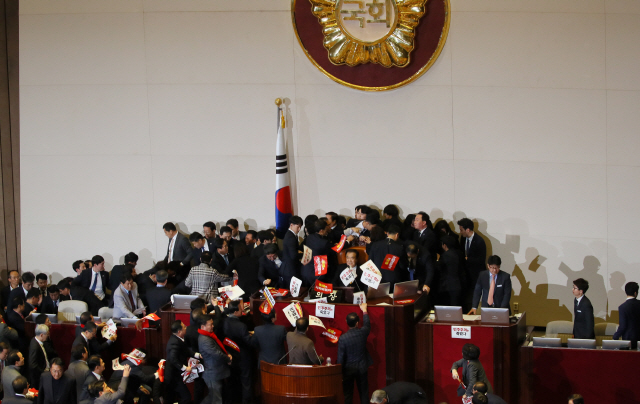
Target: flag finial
[{"x": 278, "y": 101}]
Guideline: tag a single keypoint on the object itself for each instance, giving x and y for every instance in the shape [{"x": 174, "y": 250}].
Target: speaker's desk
[
  {"x": 437, "y": 348},
  {"x": 283, "y": 384}
]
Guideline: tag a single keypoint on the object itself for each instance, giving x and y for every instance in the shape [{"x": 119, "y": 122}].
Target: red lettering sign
[
  {"x": 332, "y": 335},
  {"x": 320, "y": 264},
  {"x": 390, "y": 261},
  {"x": 323, "y": 287},
  {"x": 407, "y": 301},
  {"x": 231, "y": 344},
  {"x": 338, "y": 247}
]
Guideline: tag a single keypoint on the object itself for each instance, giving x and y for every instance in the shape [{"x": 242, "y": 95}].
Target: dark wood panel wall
[{"x": 9, "y": 139}]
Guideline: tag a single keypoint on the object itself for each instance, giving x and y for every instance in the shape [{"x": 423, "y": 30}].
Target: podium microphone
[{"x": 285, "y": 355}]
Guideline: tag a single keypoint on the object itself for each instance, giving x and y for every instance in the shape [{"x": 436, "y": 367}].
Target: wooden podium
[{"x": 283, "y": 384}]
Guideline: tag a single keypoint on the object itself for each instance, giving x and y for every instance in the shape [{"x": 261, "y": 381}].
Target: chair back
[{"x": 69, "y": 309}]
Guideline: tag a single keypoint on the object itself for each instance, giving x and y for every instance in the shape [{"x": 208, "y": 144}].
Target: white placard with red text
[
  {"x": 325, "y": 310},
  {"x": 306, "y": 255},
  {"x": 460, "y": 332},
  {"x": 359, "y": 298},
  {"x": 347, "y": 276},
  {"x": 371, "y": 279},
  {"x": 294, "y": 286},
  {"x": 313, "y": 320},
  {"x": 292, "y": 313}
]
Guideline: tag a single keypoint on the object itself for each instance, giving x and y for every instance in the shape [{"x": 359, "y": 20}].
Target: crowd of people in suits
[{"x": 452, "y": 269}]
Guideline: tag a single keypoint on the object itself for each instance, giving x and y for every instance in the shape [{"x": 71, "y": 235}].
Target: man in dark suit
[
  {"x": 264, "y": 238},
  {"x": 493, "y": 285},
  {"x": 100, "y": 393},
  {"x": 354, "y": 357},
  {"x": 87, "y": 338},
  {"x": 420, "y": 266},
  {"x": 351, "y": 258},
  {"x": 480, "y": 387},
  {"x": 475, "y": 253},
  {"x": 250, "y": 240},
  {"x": 449, "y": 269},
  {"x": 629, "y": 328},
  {"x": 209, "y": 231},
  {"x": 269, "y": 339},
  {"x": 95, "y": 279},
  {"x": 78, "y": 368},
  {"x": 27, "y": 283},
  {"x": 424, "y": 234},
  {"x": 269, "y": 271},
  {"x": 241, "y": 365},
  {"x": 14, "y": 283},
  {"x": 41, "y": 282},
  {"x": 335, "y": 231},
  {"x": 178, "y": 354},
  {"x": 221, "y": 256},
  {"x": 391, "y": 216},
  {"x": 301, "y": 348},
  {"x": 215, "y": 359},
  {"x": 15, "y": 363},
  {"x": 118, "y": 270},
  {"x": 55, "y": 386},
  {"x": 68, "y": 291},
  {"x": 583, "y": 323},
  {"x": 200, "y": 245},
  {"x": 400, "y": 393},
  {"x": 21, "y": 387},
  {"x": 96, "y": 367},
  {"x": 51, "y": 302},
  {"x": 38, "y": 360},
  {"x": 388, "y": 255},
  {"x": 160, "y": 295},
  {"x": 290, "y": 252},
  {"x": 236, "y": 234},
  {"x": 141, "y": 381},
  {"x": 319, "y": 246},
  {"x": 179, "y": 247},
  {"x": 15, "y": 320}
]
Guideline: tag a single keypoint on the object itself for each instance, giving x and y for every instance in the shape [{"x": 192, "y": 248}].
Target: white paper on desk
[
  {"x": 235, "y": 292},
  {"x": 471, "y": 317}
]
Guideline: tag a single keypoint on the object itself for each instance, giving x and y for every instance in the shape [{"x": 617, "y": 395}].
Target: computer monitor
[
  {"x": 52, "y": 317},
  {"x": 126, "y": 322},
  {"x": 382, "y": 291},
  {"x": 494, "y": 315},
  {"x": 182, "y": 301},
  {"x": 614, "y": 344},
  {"x": 405, "y": 289},
  {"x": 448, "y": 313},
  {"x": 547, "y": 342},
  {"x": 581, "y": 343},
  {"x": 96, "y": 319}
]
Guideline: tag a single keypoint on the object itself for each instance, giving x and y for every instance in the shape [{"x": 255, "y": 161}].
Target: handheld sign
[
  {"x": 359, "y": 298},
  {"x": 269, "y": 297},
  {"x": 313, "y": 320},
  {"x": 347, "y": 276},
  {"x": 320, "y": 265},
  {"x": 306, "y": 255},
  {"x": 265, "y": 308},
  {"x": 338, "y": 247},
  {"x": 323, "y": 287},
  {"x": 332, "y": 335},
  {"x": 370, "y": 266},
  {"x": 390, "y": 261},
  {"x": 294, "y": 286},
  {"x": 293, "y": 312},
  {"x": 325, "y": 310},
  {"x": 371, "y": 279},
  {"x": 231, "y": 344}
]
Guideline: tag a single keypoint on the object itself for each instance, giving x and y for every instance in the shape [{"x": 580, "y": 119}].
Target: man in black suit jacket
[
  {"x": 68, "y": 291},
  {"x": 481, "y": 387},
  {"x": 38, "y": 360},
  {"x": 501, "y": 281},
  {"x": 27, "y": 283},
  {"x": 118, "y": 270},
  {"x": 583, "y": 323},
  {"x": 423, "y": 234},
  {"x": 319, "y": 245},
  {"x": 14, "y": 283},
  {"x": 200, "y": 245},
  {"x": 96, "y": 367},
  {"x": 474, "y": 248},
  {"x": 449, "y": 270},
  {"x": 420, "y": 266},
  {"x": 629, "y": 328},
  {"x": 222, "y": 256},
  {"x": 354, "y": 357},
  {"x": 241, "y": 363},
  {"x": 264, "y": 238},
  {"x": 55, "y": 386},
  {"x": 290, "y": 252},
  {"x": 160, "y": 295},
  {"x": 236, "y": 234},
  {"x": 88, "y": 338},
  {"x": 178, "y": 354},
  {"x": 96, "y": 279},
  {"x": 179, "y": 247},
  {"x": 140, "y": 384},
  {"x": 269, "y": 339},
  {"x": 389, "y": 253},
  {"x": 335, "y": 232},
  {"x": 15, "y": 320},
  {"x": 270, "y": 265},
  {"x": 400, "y": 393},
  {"x": 51, "y": 302}
]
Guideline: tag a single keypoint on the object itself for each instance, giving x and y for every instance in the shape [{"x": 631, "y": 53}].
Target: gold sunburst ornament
[{"x": 369, "y": 31}]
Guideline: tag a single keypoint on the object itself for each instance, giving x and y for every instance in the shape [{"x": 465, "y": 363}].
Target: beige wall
[{"x": 135, "y": 113}]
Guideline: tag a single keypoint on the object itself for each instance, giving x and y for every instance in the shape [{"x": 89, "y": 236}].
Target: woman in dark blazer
[{"x": 472, "y": 370}]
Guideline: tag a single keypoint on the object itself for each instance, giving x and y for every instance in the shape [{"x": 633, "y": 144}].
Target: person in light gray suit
[
  {"x": 215, "y": 360},
  {"x": 8, "y": 334},
  {"x": 104, "y": 395},
  {"x": 78, "y": 369},
  {"x": 4, "y": 353},
  {"x": 23, "y": 396},
  {"x": 472, "y": 370},
  {"x": 126, "y": 302},
  {"x": 11, "y": 372}
]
